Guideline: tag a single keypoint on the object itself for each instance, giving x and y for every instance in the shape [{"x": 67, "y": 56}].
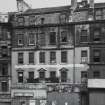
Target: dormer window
[
  {"x": 21, "y": 21},
  {"x": 42, "y": 20},
  {"x": 63, "y": 18}
]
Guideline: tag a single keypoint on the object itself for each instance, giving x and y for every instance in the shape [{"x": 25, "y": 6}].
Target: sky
[{"x": 11, "y": 6}]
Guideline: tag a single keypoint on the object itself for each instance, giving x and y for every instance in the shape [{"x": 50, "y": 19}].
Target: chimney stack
[
  {"x": 91, "y": 3},
  {"x": 73, "y": 4},
  {"x": 22, "y": 6}
]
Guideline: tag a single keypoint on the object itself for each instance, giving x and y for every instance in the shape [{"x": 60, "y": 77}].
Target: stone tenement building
[
  {"x": 5, "y": 60},
  {"x": 54, "y": 50},
  {"x": 43, "y": 52}
]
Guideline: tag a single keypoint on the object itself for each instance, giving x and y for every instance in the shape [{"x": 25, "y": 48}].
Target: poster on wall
[
  {"x": 32, "y": 102},
  {"x": 42, "y": 102}
]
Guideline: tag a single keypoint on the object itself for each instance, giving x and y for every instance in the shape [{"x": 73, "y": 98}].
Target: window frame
[
  {"x": 53, "y": 57},
  {"x": 62, "y": 56},
  {"x": 96, "y": 57},
  {"x": 20, "y": 39},
  {"x": 54, "y": 39},
  {"x": 21, "y": 59},
  {"x": 32, "y": 34},
  {"x": 42, "y": 57},
  {"x": 31, "y": 58},
  {"x": 4, "y": 88},
  {"x": 63, "y": 42},
  {"x": 20, "y": 21},
  {"x": 96, "y": 74},
  {"x": 82, "y": 40},
  {"x": 20, "y": 78},
  {"x": 98, "y": 36}
]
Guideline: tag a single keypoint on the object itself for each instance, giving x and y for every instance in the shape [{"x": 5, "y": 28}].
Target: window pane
[
  {"x": 84, "y": 36},
  {"x": 4, "y": 52},
  {"x": 42, "y": 39},
  {"x": 97, "y": 35},
  {"x": 84, "y": 53},
  {"x": 96, "y": 55},
  {"x": 4, "y": 86},
  {"x": 63, "y": 76},
  {"x": 42, "y": 75},
  {"x": 31, "y": 57},
  {"x": 4, "y": 69},
  {"x": 31, "y": 39},
  {"x": 96, "y": 74},
  {"x": 52, "y": 38},
  {"x": 64, "y": 56},
  {"x": 42, "y": 57},
  {"x": 31, "y": 75},
  {"x": 20, "y": 58},
  {"x": 20, "y": 77},
  {"x": 20, "y": 39},
  {"x": 52, "y": 57},
  {"x": 52, "y": 74},
  {"x": 32, "y": 20},
  {"x": 20, "y": 21},
  {"x": 63, "y": 36}
]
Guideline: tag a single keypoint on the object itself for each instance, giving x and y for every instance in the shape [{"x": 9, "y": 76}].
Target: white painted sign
[{"x": 32, "y": 102}]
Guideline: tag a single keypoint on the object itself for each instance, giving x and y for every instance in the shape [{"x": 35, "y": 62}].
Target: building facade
[
  {"x": 44, "y": 51},
  {"x": 54, "y": 51},
  {"x": 5, "y": 62}
]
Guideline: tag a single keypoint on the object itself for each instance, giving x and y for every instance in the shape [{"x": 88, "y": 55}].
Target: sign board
[{"x": 32, "y": 102}]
